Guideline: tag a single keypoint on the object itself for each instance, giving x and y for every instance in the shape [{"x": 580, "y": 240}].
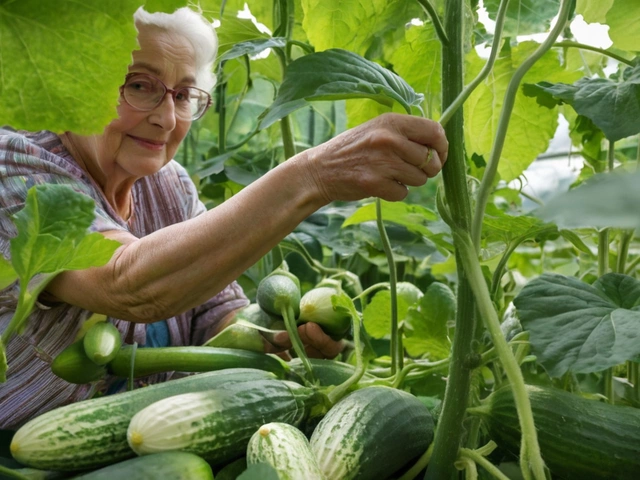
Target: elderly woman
[{"x": 172, "y": 282}]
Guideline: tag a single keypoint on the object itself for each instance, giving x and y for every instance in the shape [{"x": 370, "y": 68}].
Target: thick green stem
[
  {"x": 450, "y": 429},
  {"x": 530, "y": 447},
  {"x": 10, "y": 473},
  {"x": 288, "y": 143},
  {"x": 495, "y": 48},
  {"x": 483, "y": 462},
  {"x": 395, "y": 353},
  {"x": 221, "y": 90},
  {"x": 623, "y": 250},
  {"x": 505, "y": 116},
  {"x": 582, "y": 46},
  {"x": 292, "y": 329},
  {"x": 437, "y": 24}
]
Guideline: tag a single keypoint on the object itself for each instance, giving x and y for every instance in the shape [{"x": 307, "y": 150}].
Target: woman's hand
[
  {"x": 317, "y": 343},
  {"x": 377, "y": 159}
]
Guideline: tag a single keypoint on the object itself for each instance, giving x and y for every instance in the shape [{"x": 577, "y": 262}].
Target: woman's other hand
[
  {"x": 317, "y": 344},
  {"x": 377, "y": 159}
]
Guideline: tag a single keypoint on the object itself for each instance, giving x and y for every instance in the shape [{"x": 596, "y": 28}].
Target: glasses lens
[
  {"x": 191, "y": 103},
  {"x": 143, "y": 92}
]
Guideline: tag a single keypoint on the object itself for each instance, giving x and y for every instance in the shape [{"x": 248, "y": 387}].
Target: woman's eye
[{"x": 183, "y": 96}]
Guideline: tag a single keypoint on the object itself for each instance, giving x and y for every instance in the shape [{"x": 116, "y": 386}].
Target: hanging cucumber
[
  {"x": 316, "y": 307},
  {"x": 74, "y": 366},
  {"x": 191, "y": 359},
  {"x": 286, "y": 449},
  {"x": 102, "y": 342}
]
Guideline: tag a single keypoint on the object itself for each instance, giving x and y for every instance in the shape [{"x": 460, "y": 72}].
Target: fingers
[
  {"x": 319, "y": 343},
  {"x": 422, "y": 131}
]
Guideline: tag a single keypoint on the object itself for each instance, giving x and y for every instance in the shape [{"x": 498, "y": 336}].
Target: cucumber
[
  {"x": 102, "y": 343},
  {"x": 93, "y": 433},
  {"x": 217, "y": 424},
  {"x": 191, "y": 359},
  {"x": 316, "y": 307},
  {"x": 165, "y": 466},
  {"x": 238, "y": 336},
  {"x": 579, "y": 438},
  {"x": 74, "y": 366},
  {"x": 232, "y": 470},
  {"x": 252, "y": 313},
  {"x": 371, "y": 433},
  {"x": 286, "y": 449},
  {"x": 279, "y": 291}
]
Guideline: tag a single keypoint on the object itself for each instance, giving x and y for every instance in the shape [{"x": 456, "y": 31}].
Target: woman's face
[{"x": 141, "y": 143}]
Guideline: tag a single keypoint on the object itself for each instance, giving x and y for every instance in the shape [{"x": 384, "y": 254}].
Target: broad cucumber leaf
[
  {"x": 530, "y": 127},
  {"x": 623, "y": 19},
  {"x": 252, "y": 47},
  {"x": 525, "y": 17},
  {"x": 581, "y": 328},
  {"x": 336, "y": 75},
  {"x": 354, "y": 24},
  {"x": 361, "y": 110},
  {"x": 613, "y": 106},
  {"x": 52, "y": 233},
  {"x": 377, "y": 314},
  {"x": 7, "y": 274},
  {"x": 427, "y": 327},
  {"x": 63, "y": 62},
  {"x": 414, "y": 217},
  {"x": 593, "y": 11},
  {"x": 166, "y": 6},
  {"x": 498, "y": 225},
  {"x": 605, "y": 200}
]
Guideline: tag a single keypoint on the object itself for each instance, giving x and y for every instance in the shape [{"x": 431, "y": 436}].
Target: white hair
[{"x": 196, "y": 29}]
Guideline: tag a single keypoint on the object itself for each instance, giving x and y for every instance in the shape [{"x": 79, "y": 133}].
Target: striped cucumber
[
  {"x": 579, "y": 438},
  {"x": 217, "y": 424},
  {"x": 191, "y": 359},
  {"x": 93, "y": 433},
  {"x": 371, "y": 434},
  {"x": 286, "y": 449},
  {"x": 165, "y": 466}
]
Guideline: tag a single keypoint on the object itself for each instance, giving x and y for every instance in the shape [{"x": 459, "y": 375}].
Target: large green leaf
[
  {"x": 354, "y": 24},
  {"x": 252, "y": 47},
  {"x": 414, "y": 217},
  {"x": 613, "y": 106},
  {"x": 581, "y": 328},
  {"x": 525, "y": 16},
  {"x": 427, "y": 330},
  {"x": 7, "y": 274},
  {"x": 623, "y": 19},
  {"x": 62, "y": 62},
  {"x": 531, "y": 127},
  {"x": 377, "y": 314},
  {"x": 336, "y": 75},
  {"x": 52, "y": 233},
  {"x": 593, "y": 11},
  {"x": 605, "y": 200}
]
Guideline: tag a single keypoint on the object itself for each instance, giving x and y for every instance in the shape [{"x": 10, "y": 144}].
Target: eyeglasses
[{"x": 145, "y": 92}]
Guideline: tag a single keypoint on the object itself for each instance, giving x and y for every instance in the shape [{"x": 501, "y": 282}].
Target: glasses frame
[{"x": 171, "y": 91}]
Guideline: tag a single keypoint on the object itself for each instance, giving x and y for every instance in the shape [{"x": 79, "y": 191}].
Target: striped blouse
[{"x": 162, "y": 199}]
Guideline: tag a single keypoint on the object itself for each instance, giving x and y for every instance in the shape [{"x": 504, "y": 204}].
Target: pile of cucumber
[{"x": 241, "y": 411}]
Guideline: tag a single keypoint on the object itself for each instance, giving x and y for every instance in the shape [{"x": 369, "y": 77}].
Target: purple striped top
[{"x": 162, "y": 199}]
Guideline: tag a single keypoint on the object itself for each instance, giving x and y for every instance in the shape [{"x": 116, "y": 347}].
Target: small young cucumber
[
  {"x": 74, "y": 366},
  {"x": 371, "y": 433},
  {"x": 102, "y": 343},
  {"x": 316, "y": 307},
  {"x": 286, "y": 449},
  {"x": 191, "y": 359},
  {"x": 217, "y": 424},
  {"x": 93, "y": 433},
  {"x": 165, "y": 466},
  {"x": 279, "y": 291},
  {"x": 238, "y": 336}
]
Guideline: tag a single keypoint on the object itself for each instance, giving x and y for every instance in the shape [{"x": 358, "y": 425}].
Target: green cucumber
[
  {"x": 279, "y": 291},
  {"x": 102, "y": 342},
  {"x": 191, "y": 359},
  {"x": 74, "y": 366},
  {"x": 165, "y": 466},
  {"x": 93, "y": 433},
  {"x": 232, "y": 470},
  {"x": 252, "y": 313},
  {"x": 371, "y": 433},
  {"x": 286, "y": 449},
  {"x": 217, "y": 424},
  {"x": 579, "y": 438},
  {"x": 316, "y": 307}
]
